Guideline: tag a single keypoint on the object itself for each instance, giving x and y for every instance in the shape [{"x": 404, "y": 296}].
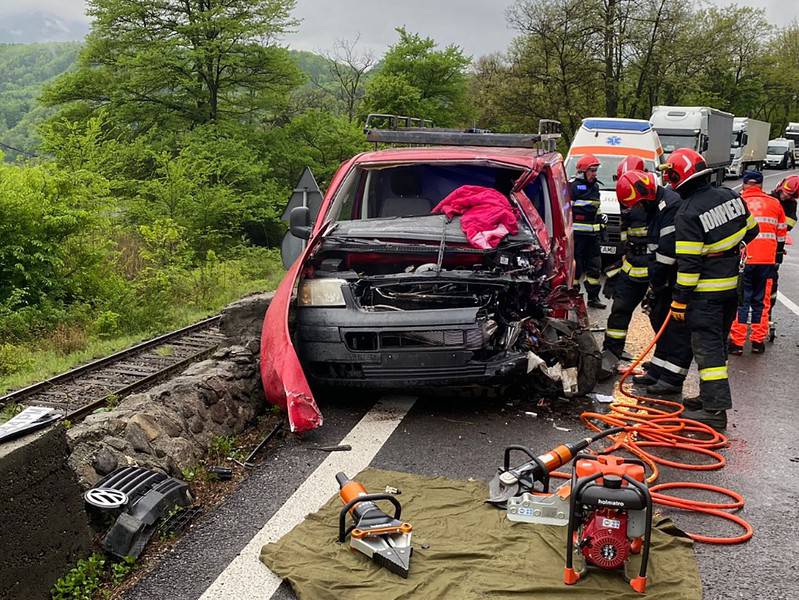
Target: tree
[
  {"x": 182, "y": 63},
  {"x": 417, "y": 80},
  {"x": 348, "y": 69}
]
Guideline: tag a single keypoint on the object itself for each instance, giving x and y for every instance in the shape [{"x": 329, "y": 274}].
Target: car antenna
[{"x": 441, "y": 246}]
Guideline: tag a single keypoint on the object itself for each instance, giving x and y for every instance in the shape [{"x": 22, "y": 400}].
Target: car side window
[{"x": 538, "y": 193}]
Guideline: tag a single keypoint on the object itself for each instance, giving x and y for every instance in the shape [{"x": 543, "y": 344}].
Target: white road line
[
  {"x": 789, "y": 304},
  {"x": 246, "y": 576}
]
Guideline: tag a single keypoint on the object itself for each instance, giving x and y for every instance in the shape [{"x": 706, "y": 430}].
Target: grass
[{"x": 43, "y": 358}]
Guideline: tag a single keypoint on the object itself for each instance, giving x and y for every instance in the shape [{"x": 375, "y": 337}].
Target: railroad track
[{"x": 84, "y": 389}]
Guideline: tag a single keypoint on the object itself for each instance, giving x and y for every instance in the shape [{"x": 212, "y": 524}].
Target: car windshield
[
  {"x": 671, "y": 142},
  {"x": 777, "y": 149},
  {"x": 735, "y": 140},
  {"x": 606, "y": 175},
  {"x": 411, "y": 190}
]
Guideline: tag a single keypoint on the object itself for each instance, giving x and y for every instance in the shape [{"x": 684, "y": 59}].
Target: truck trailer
[
  {"x": 706, "y": 130},
  {"x": 748, "y": 145}
]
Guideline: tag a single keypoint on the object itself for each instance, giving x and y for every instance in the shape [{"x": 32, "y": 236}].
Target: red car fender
[{"x": 284, "y": 381}]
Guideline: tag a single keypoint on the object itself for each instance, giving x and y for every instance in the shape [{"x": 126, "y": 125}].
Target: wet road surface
[{"x": 460, "y": 439}]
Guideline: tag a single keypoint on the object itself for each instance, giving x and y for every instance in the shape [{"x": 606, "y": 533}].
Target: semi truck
[
  {"x": 701, "y": 128},
  {"x": 748, "y": 145},
  {"x": 792, "y": 133}
]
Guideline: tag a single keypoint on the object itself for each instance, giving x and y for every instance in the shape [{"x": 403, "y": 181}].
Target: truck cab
[
  {"x": 792, "y": 133},
  {"x": 748, "y": 145},
  {"x": 781, "y": 153},
  {"x": 611, "y": 141}
]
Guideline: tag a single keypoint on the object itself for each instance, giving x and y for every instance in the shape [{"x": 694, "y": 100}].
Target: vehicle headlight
[{"x": 321, "y": 292}]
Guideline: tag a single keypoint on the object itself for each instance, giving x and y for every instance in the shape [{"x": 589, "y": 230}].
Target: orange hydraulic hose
[{"x": 655, "y": 423}]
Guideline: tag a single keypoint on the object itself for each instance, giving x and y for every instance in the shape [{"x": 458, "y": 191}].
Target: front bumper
[{"x": 353, "y": 347}]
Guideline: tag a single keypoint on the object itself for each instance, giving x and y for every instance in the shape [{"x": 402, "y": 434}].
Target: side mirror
[{"x": 300, "y": 222}]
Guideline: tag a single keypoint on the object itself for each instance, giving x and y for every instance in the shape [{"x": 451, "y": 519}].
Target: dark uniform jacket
[
  {"x": 585, "y": 206},
  {"x": 663, "y": 264},
  {"x": 637, "y": 234},
  {"x": 711, "y": 223},
  {"x": 789, "y": 207}
]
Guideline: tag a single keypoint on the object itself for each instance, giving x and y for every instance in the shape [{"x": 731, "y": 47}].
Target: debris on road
[
  {"x": 339, "y": 448},
  {"x": 602, "y": 398}
]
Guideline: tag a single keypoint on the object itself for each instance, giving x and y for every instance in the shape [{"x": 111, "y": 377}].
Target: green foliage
[
  {"x": 91, "y": 577},
  {"x": 9, "y": 410},
  {"x": 418, "y": 80},
  {"x": 222, "y": 447},
  {"x": 13, "y": 358}
]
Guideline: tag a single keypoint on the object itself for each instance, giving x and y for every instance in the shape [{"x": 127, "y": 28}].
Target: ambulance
[{"x": 612, "y": 140}]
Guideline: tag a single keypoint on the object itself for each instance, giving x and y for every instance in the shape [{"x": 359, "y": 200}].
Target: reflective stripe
[
  {"x": 770, "y": 220},
  {"x": 790, "y": 222},
  {"x": 635, "y": 272},
  {"x": 586, "y": 227},
  {"x": 623, "y": 236},
  {"x": 750, "y": 222},
  {"x": 638, "y": 231},
  {"x": 713, "y": 373},
  {"x": 612, "y": 272},
  {"x": 728, "y": 243},
  {"x": 669, "y": 366},
  {"x": 616, "y": 334},
  {"x": 717, "y": 285},
  {"x": 664, "y": 260},
  {"x": 689, "y": 248},
  {"x": 667, "y": 230},
  {"x": 651, "y": 247},
  {"x": 586, "y": 203},
  {"x": 687, "y": 279},
  {"x": 766, "y": 236},
  {"x": 591, "y": 280}
]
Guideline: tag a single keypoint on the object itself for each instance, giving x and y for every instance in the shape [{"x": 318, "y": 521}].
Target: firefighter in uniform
[
  {"x": 761, "y": 265},
  {"x": 587, "y": 225},
  {"x": 787, "y": 193},
  {"x": 627, "y": 282},
  {"x": 666, "y": 372},
  {"x": 711, "y": 224}
]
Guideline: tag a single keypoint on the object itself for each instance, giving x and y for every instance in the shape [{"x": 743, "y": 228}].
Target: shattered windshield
[{"x": 411, "y": 190}]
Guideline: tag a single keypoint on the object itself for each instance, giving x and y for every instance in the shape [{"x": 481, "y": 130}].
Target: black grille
[{"x": 614, "y": 229}]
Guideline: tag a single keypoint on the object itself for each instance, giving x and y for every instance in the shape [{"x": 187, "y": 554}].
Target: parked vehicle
[
  {"x": 390, "y": 295},
  {"x": 792, "y": 133},
  {"x": 780, "y": 153},
  {"x": 611, "y": 140},
  {"x": 706, "y": 130},
  {"x": 748, "y": 145}
]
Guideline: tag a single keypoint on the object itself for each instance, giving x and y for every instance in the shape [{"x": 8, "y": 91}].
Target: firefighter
[
  {"x": 711, "y": 224},
  {"x": 761, "y": 265},
  {"x": 787, "y": 193},
  {"x": 666, "y": 372},
  {"x": 628, "y": 280},
  {"x": 588, "y": 222}
]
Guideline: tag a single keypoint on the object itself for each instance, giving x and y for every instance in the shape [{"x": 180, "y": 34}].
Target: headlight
[{"x": 321, "y": 292}]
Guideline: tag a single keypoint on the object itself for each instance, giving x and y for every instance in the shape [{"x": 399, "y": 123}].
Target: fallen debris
[
  {"x": 340, "y": 448},
  {"x": 602, "y": 398},
  {"x": 263, "y": 443},
  {"x": 30, "y": 419}
]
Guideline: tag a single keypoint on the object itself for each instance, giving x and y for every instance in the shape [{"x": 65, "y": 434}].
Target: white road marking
[
  {"x": 246, "y": 576},
  {"x": 789, "y": 304}
]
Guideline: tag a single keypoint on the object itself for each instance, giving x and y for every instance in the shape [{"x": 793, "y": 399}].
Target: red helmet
[
  {"x": 586, "y": 162},
  {"x": 684, "y": 164},
  {"x": 789, "y": 187},
  {"x": 634, "y": 187},
  {"x": 631, "y": 163}
]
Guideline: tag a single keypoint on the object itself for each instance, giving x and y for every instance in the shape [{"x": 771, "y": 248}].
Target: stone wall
[
  {"x": 43, "y": 525},
  {"x": 171, "y": 426},
  {"x": 242, "y": 321}
]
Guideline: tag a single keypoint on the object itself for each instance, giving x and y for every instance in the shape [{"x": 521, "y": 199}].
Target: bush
[{"x": 12, "y": 359}]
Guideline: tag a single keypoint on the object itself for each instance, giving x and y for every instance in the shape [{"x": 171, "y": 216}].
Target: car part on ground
[
  {"x": 143, "y": 496},
  {"x": 610, "y": 517},
  {"x": 383, "y": 538}
]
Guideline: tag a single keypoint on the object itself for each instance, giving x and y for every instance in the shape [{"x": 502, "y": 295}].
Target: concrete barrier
[{"x": 44, "y": 528}]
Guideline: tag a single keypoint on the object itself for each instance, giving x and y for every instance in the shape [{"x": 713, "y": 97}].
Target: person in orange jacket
[{"x": 761, "y": 265}]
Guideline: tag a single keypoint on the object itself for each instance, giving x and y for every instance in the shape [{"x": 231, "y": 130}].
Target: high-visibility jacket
[
  {"x": 711, "y": 225},
  {"x": 585, "y": 206},
  {"x": 770, "y": 217},
  {"x": 663, "y": 264}
]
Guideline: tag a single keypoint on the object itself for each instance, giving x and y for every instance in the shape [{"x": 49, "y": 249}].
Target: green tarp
[{"x": 463, "y": 550}]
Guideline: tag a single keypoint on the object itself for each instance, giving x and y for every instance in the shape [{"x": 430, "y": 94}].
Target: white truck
[
  {"x": 748, "y": 145},
  {"x": 781, "y": 153},
  {"x": 792, "y": 133},
  {"x": 706, "y": 130}
]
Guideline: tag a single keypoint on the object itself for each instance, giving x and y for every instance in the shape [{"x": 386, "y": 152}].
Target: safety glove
[{"x": 678, "y": 310}]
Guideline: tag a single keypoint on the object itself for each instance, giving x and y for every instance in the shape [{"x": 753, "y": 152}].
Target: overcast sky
[{"x": 478, "y": 26}]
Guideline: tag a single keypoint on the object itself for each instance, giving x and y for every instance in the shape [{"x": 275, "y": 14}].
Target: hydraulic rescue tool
[
  {"x": 610, "y": 517},
  {"x": 511, "y": 482},
  {"x": 384, "y": 539}
]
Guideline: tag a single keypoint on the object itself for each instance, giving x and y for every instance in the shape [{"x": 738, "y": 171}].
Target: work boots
[
  {"x": 663, "y": 388},
  {"x": 717, "y": 419},
  {"x": 596, "y": 303},
  {"x": 692, "y": 403},
  {"x": 758, "y": 347},
  {"x": 644, "y": 380},
  {"x": 733, "y": 348}
]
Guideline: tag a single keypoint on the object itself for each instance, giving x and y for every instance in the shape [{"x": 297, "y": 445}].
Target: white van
[
  {"x": 780, "y": 153},
  {"x": 611, "y": 141}
]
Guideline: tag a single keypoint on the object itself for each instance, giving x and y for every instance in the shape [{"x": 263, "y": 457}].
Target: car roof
[{"x": 525, "y": 158}]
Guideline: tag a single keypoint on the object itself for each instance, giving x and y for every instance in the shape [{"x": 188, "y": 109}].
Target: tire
[{"x": 578, "y": 348}]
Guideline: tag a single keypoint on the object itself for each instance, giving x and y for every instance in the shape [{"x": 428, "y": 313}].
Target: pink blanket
[{"x": 486, "y": 215}]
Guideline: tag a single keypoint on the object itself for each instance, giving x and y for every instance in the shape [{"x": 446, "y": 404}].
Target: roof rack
[{"x": 412, "y": 131}]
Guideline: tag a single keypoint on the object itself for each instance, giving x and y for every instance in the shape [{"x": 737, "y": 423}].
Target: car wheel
[{"x": 571, "y": 346}]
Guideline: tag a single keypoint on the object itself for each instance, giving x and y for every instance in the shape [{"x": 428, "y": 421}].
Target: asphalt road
[{"x": 464, "y": 438}]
